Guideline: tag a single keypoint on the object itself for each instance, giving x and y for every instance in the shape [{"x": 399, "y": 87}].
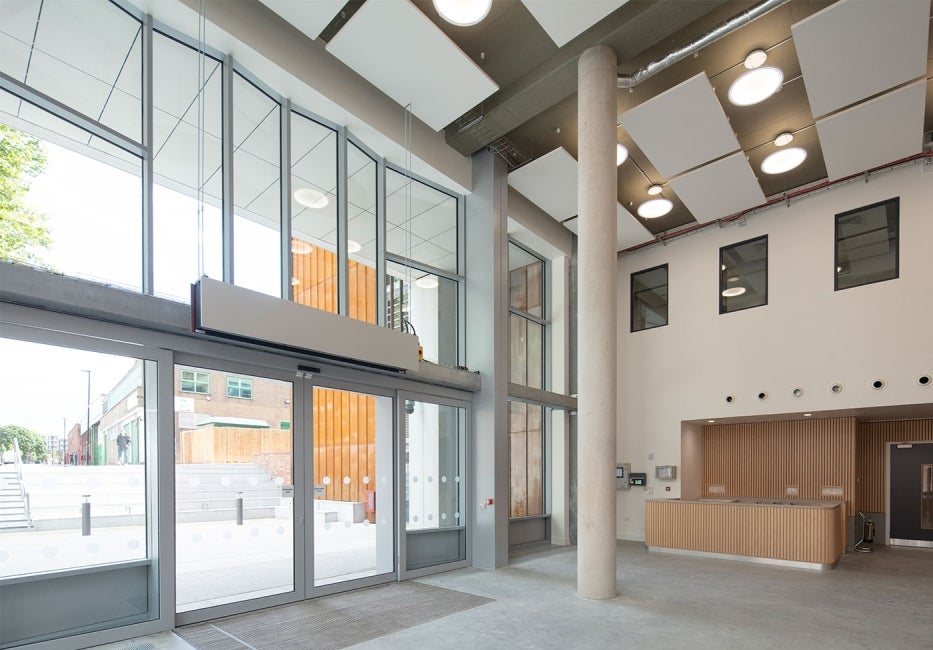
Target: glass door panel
[
  {"x": 435, "y": 498},
  {"x": 233, "y": 487},
  {"x": 353, "y": 485}
]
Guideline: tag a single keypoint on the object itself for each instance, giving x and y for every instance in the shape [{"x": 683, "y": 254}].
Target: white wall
[{"x": 807, "y": 335}]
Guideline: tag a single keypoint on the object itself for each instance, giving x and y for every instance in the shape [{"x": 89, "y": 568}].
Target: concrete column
[{"x": 596, "y": 343}]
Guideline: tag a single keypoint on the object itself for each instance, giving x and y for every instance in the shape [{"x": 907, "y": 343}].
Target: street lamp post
[{"x": 87, "y": 444}]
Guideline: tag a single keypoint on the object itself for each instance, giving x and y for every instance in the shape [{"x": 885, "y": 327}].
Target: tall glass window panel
[
  {"x": 435, "y": 483},
  {"x": 649, "y": 298},
  {"x": 526, "y": 460},
  {"x": 526, "y": 332},
  {"x": 257, "y": 257},
  {"x": 426, "y": 305},
  {"x": 314, "y": 214},
  {"x": 743, "y": 277},
  {"x": 74, "y": 202},
  {"x": 87, "y": 55},
  {"x": 233, "y": 521},
  {"x": 187, "y": 165},
  {"x": 867, "y": 244},
  {"x": 361, "y": 242},
  {"x": 79, "y": 496},
  {"x": 421, "y": 222},
  {"x": 526, "y": 281}
]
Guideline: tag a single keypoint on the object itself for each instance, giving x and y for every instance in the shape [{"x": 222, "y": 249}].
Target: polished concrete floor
[{"x": 872, "y": 600}]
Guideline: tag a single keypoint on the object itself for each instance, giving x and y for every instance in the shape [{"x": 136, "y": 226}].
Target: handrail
[{"x": 17, "y": 464}]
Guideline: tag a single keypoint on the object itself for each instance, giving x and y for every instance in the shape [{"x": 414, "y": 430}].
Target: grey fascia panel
[{"x": 228, "y": 310}]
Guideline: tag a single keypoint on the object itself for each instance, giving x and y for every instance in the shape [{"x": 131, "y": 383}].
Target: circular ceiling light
[
  {"x": 654, "y": 208},
  {"x": 301, "y": 247},
  {"x": 755, "y": 59},
  {"x": 463, "y": 12},
  {"x": 783, "y": 139},
  {"x": 427, "y": 282},
  {"x": 621, "y": 154},
  {"x": 311, "y": 198},
  {"x": 783, "y": 160},
  {"x": 755, "y": 86},
  {"x": 353, "y": 246},
  {"x": 654, "y": 190},
  {"x": 732, "y": 292}
]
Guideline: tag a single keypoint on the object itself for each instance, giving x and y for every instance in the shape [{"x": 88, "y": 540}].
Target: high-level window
[
  {"x": 526, "y": 319},
  {"x": 743, "y": 277},
  {"x": 867, "y": 244},
  {"x": 649, "y": 298}
]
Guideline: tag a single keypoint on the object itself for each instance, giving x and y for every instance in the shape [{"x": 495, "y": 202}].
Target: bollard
[
  {"x": 239, "y": 508},
  {"x": 86, "y": 516}
]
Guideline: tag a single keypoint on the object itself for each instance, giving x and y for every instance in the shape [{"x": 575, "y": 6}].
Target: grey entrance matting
[{"x": 332, "y": 621}]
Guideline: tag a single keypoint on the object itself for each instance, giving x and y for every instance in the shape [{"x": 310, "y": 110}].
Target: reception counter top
[{"x": 802, "y": 533}]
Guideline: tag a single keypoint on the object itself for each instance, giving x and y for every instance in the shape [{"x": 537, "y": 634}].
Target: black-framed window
[
  {"x": 743, "y": 275},
  {"x": 867, "y": 244},
  {"x": 649, "y": 298}
]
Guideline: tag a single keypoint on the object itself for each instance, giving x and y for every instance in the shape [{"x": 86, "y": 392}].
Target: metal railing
[{"x": 18, "y": 465}]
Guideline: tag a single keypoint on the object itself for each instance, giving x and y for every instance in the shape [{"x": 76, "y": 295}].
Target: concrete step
[{"x": 222, "y": 504}]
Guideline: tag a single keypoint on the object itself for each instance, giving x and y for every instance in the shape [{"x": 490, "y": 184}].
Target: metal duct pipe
[{"x": 723, "y": 28}]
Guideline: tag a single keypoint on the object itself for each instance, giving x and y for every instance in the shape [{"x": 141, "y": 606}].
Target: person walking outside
[{"x": 123, "y": 446}]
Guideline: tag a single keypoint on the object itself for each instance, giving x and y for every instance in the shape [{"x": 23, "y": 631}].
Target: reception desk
[{"x": 806, "y": 534}]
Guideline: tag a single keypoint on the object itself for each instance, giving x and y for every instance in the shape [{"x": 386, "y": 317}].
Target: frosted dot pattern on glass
[
  {"x": 4, "y": 556},
  {"x": 415, "y": 518},
  {"x": 50, "y": 551},
  {"x": 443, "y": 479},
  {"x": 347, "y": 524},
  {"x": 366, "y": 522},
  {"x": 326, "y": 525},
  {"x": 456, "y": 515},
  {"x": 253, "y": 480},
  {"x": 430, "y": 517},
  {"x": 414, "y": 479},
  {"x": 430, "y": 479},
  {"x": 456, "y": 479},
  {"x": 279, "y": 480},
  {"x": 228, "y": 535},
  {"x": 133, "y": 481},
  {"x": 225, "y": 481},
  {"x": 194, "y": 481},
  {"x": 365, "y": 480},
  {"x": 93, "y": 547},
  {"x": 196, "y": 538},
  {"x": 443, "y": 516},
  {"x": 133, "y": 543},
  {"x": 326, "y": 480},
  {"x": 280, "y": 530},
  {"x": 346, "y": 480},
  {"x": 254, "y": 532}
]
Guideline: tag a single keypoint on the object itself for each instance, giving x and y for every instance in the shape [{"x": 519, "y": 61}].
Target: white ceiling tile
[
  {"x": 855, "y": 49},
  {"x": 874, "y": 133},
  {"x": 629, "y": 231},
  {"x": 719, "y": 189},
  {"x": 396, "y": 47},
  {"x": 550, "y": 182},
  {"x": 563, "y": 20},
  {"x": 681, "y": 128},
  {"x": 14, "y": 54},
  {"x": 309, "y": 17}
]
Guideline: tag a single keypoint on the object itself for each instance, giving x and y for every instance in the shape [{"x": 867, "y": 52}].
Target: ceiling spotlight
[
  {"x": 755, "y": 59},
  {"x": 311, "y": 198},
  {"x": 783, "y": 139},
  {"x": 783, "y": 160},
  {"x": 654, "y": 208},
  {"x": 427, "y": 282},
  {"x": 654, "y": 190},
  {"x": 732, "y": 292},
  {"x": 463, "y": 12},
  {"x": 621, "y": 154},
  {"x": 301, "y": 247},
  {"x": 353, "y": 246},
  {"x": 755, "y": 86}
]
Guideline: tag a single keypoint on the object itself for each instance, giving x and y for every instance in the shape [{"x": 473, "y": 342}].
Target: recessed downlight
[
  {"x": 755, "y": 59},
  {"x": 654, "y": 208},
  {"x": 621, "y": 154},
  {"x": 655, "y": 189},
  {"x": 783, "y": 139},
  {"x": 311, "y": 198},
  {"x": 732, "y": 292},
  {"x": 301, "y": 247},
  {"x": 427, "y": 282},
  {"x": 783, "y": 160},
  {"x": 754, "y": 86},
  {"x": 353, "y": 246}
]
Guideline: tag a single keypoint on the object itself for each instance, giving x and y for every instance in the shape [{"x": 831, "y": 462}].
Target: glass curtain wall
[
  {"x": 78, "y": 489},
  {"x": 526, "y": 319},
  {"x": 361, "y": 234}
]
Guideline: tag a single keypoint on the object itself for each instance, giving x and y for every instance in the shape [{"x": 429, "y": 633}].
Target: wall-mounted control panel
[
  {"x": 638, "y": 478},
  {"x": 622, "y": 475},
  {"x": 665, "y": 472}
]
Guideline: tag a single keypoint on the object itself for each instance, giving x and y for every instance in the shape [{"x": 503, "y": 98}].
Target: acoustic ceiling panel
[
  {"x": 564, "y": 20},
  {"x": 629, "y": 231},
  {"x": 855, "y": 49},
  {"x": 398, "y": 49},
  {"x": 719, "y": 189},
  {"x": 681, "y": 128},
  {"x": 550, "y": 182},
  {"x": 874, "y": 133},
  {"x": 309, "y": 17}
]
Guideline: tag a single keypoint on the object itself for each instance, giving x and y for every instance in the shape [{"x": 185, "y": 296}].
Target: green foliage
[
  {"x": 31, "y": 444},
  {"x": 23, "y": 231}
]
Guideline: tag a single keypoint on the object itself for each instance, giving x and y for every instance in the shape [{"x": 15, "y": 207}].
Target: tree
[
  {"x": 23, "y": 231},
  {"x": 31, "y": 444}
]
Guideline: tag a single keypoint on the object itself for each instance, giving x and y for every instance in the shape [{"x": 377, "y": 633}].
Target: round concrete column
[{"x": 596, "y": 341}]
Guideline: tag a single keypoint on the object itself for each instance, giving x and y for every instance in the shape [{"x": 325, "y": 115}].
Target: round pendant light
[
  {"x": 301, "y": 247},
  {"x": 427, "y": 282},
  {"x": 654, "y": 190},
  {"x": 654, "y": 208},
  {"x": 311, "y": 198},
  {"x": 783, "y": 160},
  {"x": 463, "y": 12},
  {"x": 732, "y": 292},
  {"x": 783, "y": 139},
  {"x": 755, "y": 86},
  {"x": 353, "y": 247}
]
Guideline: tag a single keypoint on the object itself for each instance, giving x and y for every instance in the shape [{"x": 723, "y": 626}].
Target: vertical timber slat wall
[
  {"x": 763, "y": 459},
  {"x": 871, "y": 442},
  {"x": 344, "y": 427}
]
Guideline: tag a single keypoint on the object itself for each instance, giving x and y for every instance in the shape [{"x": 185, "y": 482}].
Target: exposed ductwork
[{"x": 722, "y": 29}]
